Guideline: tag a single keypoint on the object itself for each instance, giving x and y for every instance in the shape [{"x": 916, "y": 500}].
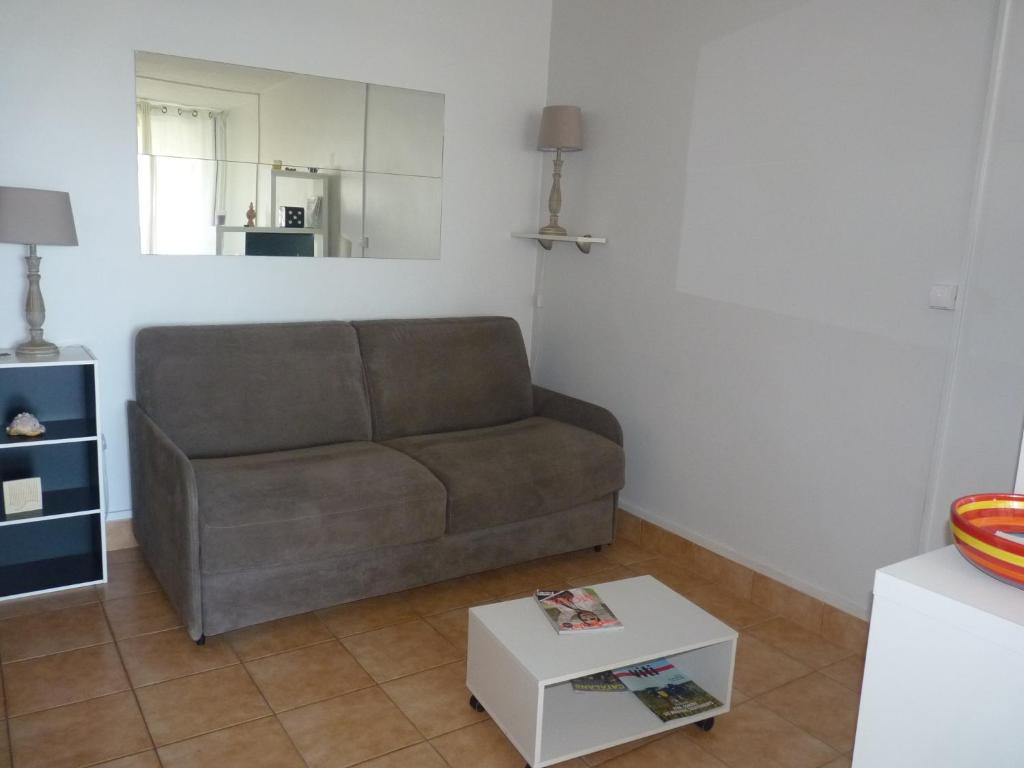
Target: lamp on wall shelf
[
  {"x": 561, "y": 130},
  {"x": 36, "y": 217}
]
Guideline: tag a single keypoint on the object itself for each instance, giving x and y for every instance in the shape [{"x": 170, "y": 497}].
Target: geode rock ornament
[{"x": 25, "y": 425}]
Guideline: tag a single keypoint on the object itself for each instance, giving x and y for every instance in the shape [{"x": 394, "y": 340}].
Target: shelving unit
[
  {"x": 64, "y": 545},
  {"x": 583, "y": 242}
]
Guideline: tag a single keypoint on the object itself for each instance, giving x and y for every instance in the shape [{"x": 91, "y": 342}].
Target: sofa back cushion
[
  {"x": 442, "y": 375},
  {"x": 226, "y": 390}
]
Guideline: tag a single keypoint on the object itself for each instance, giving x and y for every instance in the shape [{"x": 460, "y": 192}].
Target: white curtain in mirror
[{"x": 180, "y": 197}]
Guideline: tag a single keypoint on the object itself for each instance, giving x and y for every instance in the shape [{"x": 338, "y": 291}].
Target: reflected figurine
[{"x": 250, "y": 216}]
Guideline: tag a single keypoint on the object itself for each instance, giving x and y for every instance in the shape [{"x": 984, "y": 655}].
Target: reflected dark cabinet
[{"x": 64, "y": 544}]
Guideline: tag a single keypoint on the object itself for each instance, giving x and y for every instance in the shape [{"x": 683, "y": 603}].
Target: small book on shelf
[{"x": 572, "y": 611}]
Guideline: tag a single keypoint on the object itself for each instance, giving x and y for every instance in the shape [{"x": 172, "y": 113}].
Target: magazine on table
[
  {"x": 576, "y": 610},
  {"x": 665, "y": 690}
]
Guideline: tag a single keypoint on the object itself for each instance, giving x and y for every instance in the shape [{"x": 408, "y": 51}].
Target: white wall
[
  {"x": 67, "y": 88},
  {"x": 981, "y": 440},
  {"x": 780, "y": 183}
]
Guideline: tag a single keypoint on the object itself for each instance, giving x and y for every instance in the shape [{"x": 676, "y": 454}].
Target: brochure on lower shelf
[
  {"x": 665, "y": 690},
  {"x": 602, "y": 682},
  {"x": 576, "y": 610}
]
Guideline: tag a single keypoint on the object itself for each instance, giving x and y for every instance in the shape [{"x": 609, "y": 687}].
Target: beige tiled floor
[{"x": 108, "y": 678}]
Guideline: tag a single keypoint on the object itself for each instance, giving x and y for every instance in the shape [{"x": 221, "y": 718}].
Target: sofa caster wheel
[
  {"x": 201, "y": 640},
  {"x": 706, "y": 725},
  {"x": 598, "y": 547},
  {"x": 475, "y": 704}
]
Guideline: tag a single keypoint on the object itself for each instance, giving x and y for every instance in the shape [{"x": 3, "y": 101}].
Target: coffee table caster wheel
[
  {"x": 706, "y": 725},
  {"x": 476, "y": 705}
]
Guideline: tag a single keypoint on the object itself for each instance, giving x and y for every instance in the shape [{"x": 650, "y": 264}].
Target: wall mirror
[{"x": 241, "y": 161}]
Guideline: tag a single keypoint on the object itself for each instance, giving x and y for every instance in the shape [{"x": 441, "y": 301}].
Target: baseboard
[{"x": 729, "y": 553}]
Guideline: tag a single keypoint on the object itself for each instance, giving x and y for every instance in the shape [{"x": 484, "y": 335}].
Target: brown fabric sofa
[{"x": 281, "y": 468}]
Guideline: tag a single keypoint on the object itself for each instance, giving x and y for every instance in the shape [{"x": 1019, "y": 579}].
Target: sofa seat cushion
[
  {"x": 311, "y": 504},
  {"x": 512, "y": 472}
]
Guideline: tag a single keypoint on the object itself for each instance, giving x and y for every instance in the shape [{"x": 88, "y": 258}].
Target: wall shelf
[{"x": 583, "y": 242}]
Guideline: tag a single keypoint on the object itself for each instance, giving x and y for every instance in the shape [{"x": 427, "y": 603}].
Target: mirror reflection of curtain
[{"x": 182, "y": 176}]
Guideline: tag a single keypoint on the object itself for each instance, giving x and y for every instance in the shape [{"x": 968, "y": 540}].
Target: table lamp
[
  {"x": 36, "y": 217},
  {"x": 561, "y": 130}
]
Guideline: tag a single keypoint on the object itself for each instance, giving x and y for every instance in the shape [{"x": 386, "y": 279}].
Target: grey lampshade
[
  {"x": 36, "y": 217},
  {"x": 561, "y": 127}
]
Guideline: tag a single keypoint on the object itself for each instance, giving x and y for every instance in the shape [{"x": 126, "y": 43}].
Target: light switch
[{"x": 942, "y": 296}]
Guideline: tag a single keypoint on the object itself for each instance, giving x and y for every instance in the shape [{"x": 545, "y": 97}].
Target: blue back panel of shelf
[
  {"x": 44, "y": 539},
  {"x": 52, "y": 393}
]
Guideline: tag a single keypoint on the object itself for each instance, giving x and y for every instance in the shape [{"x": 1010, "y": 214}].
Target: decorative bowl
[{"x": 983, "y": 527}]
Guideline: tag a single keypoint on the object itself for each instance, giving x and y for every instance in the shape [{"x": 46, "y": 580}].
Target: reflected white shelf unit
[
  {"x": 583, "y": 242},
  {"x": 519, "y": 669},
  {"x": 64, "y": 545}
]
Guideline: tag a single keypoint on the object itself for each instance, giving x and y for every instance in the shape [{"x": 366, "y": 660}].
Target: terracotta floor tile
[
  {"x": 128, "y": 578},
  {"x": 314, "y": 673},
  {"x": 478, "y": 745},
  {"x": 39, "y": 634},
  {"x": 615, "y": 573},
  {"x": 785, "y": 601},
  {"x": 365, "y": 615},
  {"x": 848, "y": 672},
  {"x": 670, "y": 573},
  {"x": 840, "y": 762},
  {"x": 753, "y": 737},
  {"x": 277, "y": 636},
  {"x": 724, "y": 605},
  {"x": 3, "y": 703},
  {"x": 447, "y": 595},
  {"x": 822, "y": 707},
  {"x": 172, "y": 653},
  {"x": 437, "y": 701},
  {"x": 140, "y": 614},
  {"x": 419, "y": 756},
  {"x": 5, "y": 748},
  {"x": 54, "y": 601},
  {"x": 673, "y": 751},
  {"x": 626, "y": 552},
  {"x": 79, "y": 734},
  {"x": 141, "y": 760},
  {"x": 258, "y": 744},
  {"x": 454, "y": 627},
  {"x": 602, "y": 757},
  {"x": 63, "y": 678},
  {"x": 578, "y": 564},
  {"x": 845, "y": 630},
  {"x": 793, "y": 640},
  {"x": 189, "y": 706},
  {"x": 127, "y": 555},
  {"x": 760, "y": 668},
  {"x": 401, "y": 650},
  {"x": 349, "y": 729},
  {"x": 536, "y": 574}
]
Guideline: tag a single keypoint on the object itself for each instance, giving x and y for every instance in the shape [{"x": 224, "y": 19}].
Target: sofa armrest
[
  {"x": 165, "y": 515},
  {"x": 579, "y": 413}
]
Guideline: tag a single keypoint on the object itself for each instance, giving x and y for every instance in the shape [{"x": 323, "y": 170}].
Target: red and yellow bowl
[{"x": 975, "y": 521}]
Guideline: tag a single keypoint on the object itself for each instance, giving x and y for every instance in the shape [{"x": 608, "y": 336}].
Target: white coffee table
[{"x": 519, "y": 669}]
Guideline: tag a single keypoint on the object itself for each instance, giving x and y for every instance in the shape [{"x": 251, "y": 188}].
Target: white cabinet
[{"x": 944, "y": 678}]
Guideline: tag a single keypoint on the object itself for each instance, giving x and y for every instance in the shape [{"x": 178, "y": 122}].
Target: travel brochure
[{"x": 658, "y": 684}]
